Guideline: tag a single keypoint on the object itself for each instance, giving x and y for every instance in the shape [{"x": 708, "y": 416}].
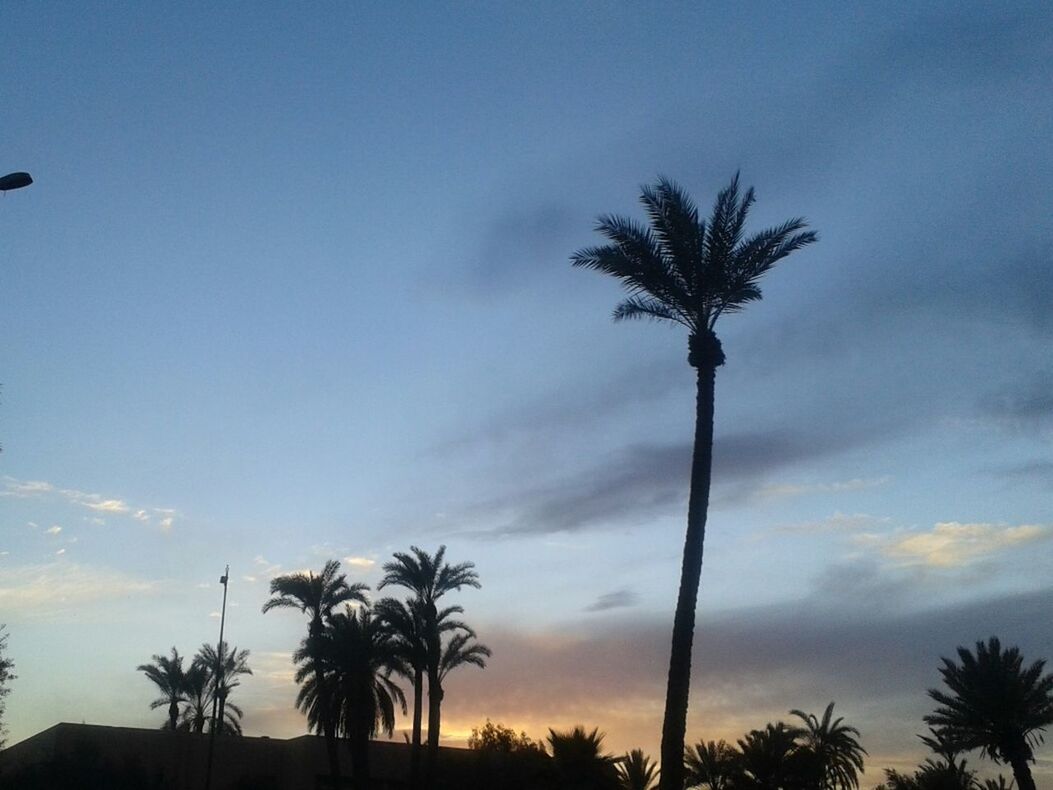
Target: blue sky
[{"x": 294, "y": 284}]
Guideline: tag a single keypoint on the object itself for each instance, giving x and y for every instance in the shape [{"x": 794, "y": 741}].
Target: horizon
[{"x": 295, "y": 285}]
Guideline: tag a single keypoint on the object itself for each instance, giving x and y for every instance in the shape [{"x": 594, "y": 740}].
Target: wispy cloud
[
  {"x": 54, "y": 529},
  {"x": 838, "y": 522},
  {"x": 953, "y": 544},
  {"x": 778, "y": 490},
  {"x": 41, "y": 590},
  {"x": 97, "y": 503},
  {"x": 360, "y": 562},
  {"x": 618, "y": 599}
]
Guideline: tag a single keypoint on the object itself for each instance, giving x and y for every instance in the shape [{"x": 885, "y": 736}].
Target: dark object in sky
[{"x": 15, "y": 181}]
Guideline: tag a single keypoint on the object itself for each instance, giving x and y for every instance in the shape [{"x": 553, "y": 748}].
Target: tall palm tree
[
  {"x": 637, "y": 771},
  {"x": 459, "y": 651},
  {"x": 406, "y": 623},
  {"x": 689, "y": 272},
  {"x": 995, "y": 705},
  {"x": 355, "y": 655},
  {"x": 227, "y": 663},
  {"x": 317, "y": 596},
  {"x": 710, "y": 764},
  {"x": 168, "y": 675},
  {"x": 429, "y": 578},
  {"x": 835, "y": 746},
  {"x": 580, "y": 762}
]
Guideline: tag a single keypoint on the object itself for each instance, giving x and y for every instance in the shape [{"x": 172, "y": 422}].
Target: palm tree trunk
[
  {"x": 328, "y": 728},
  {"x": 434, "y": 703},
  {"x": 418, "y": 705},
  {"x": 706, "y": 356},
  {"x": 1022, "y": 772},
  {"x": 359, "y": 745},
  {"x": 173, "y": 714}
]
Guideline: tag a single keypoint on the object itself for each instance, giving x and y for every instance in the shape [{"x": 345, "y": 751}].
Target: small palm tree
[
  {"x": 459, "y": 651},
  {"x": 227, "y": 664},
  {"x": 580, "y": 762},
  {"x": 637, "y": 771},
  {"x": 198, "y": 697},
  {"x": 429, "y": 578},
  {"x": 168, "y": 675},
  {"x": 317, "y": 596},
  {"x": 835, "y": 747},
  {"x": 995, "y": 705},
  {"x": 355, "y": 656},
  {"x": 710, "y": 764},
  {"x": 773, "y": 758},
  {"x": 690, "y": 272}
]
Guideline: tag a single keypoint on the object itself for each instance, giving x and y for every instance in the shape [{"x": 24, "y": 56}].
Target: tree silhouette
[
  {"x": 580, "y": 762},
  {"x": 710, "y": 764},
  {"x": 317, "y": 595},
  {"x": 459, "y": 651},
  {"x": 773, "y": 758},
  {"x": 429, "y": 578},
  {"x": 227, "y": 664},
  {"x": 355, "y": 656},
  {"x": 197, "y": 688},
  {"x": 837, "y": 751},
  {"x": 995, "y": 705},
  {"x": 689, "y": 272},
  {"x": 166, "y": 672},
  {"x": 6, "y": 676},
  {"x": 637, "y": 771}
]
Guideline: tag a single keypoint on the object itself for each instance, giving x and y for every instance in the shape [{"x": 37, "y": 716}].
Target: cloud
[
  {"x": 838, "y": 522},
  {"x": 953, "y": 544},
  {"x": 360, "y": 562},
  {"x": 778, "y": 490},
  {"x": 25, "y": 488},
  {"x": 1027, "y": 407},
  {"x": 60, "y": 552},
  {"x": 141, "y": 515},
  {"x": 619, "y": 599},
  {"x": 54, "y": 529},
  {"x": 45, "y": 590}
]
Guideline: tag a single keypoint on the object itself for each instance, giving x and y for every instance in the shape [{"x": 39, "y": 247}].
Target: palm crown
[
  {"x": 315, "y": 595},
  {"x": 995, "y": 703},
  {"x": 168, "y": 675},
  {"x": 429, "y": 577},
  {"x": 835, "y": 746},
  {"x": 685, "y": 269}
]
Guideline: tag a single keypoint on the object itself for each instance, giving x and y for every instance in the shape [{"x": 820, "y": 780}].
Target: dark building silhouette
[{"x": 74, "y": 756}]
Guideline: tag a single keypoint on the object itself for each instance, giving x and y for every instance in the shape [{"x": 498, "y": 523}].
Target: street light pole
[{"x": 218, "y": 679}]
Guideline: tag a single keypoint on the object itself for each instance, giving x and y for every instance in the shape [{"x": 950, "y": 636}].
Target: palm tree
[
  {"x": 459, "y": 651},
  {"x": 835, "y": 747},
  {"x": 355, "y": 656},
  {"x": 710, "y": 764},
  {"x": 689, "y": 272},
  {"x": 227, "y": 664},
  {"x": 637, "y": 771},
  {"x": 198, "y": 688},
  {"x": 167, "y": 674},
  {"x": 995, "y": 705},
  {"x": 579, "y": 761},
  {"x": 429, "y": 578},
  {"x": 406, "y": 623},
  {"x": 317, "y": 596},
  {"x": 773, "y": 758}
]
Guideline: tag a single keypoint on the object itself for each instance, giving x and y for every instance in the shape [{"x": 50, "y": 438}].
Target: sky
[{"x": 293, "y": 284}]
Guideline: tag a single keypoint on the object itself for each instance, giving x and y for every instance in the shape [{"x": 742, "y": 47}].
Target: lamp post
[
  {"x": 15, "y": 181},
  {"x": 218, "y": 680}
]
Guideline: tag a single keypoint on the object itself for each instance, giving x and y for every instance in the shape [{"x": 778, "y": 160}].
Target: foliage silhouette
[
  {"x": 774, "y": 758},
  {"x": 995, "y": 705},
  {"x": 354, "y": 656},
  {"x": 6, "y": 676},
  {"x": 495, "y": 737},
  {"x": 429, "y": 578},
  {"x": 711, "y": 764},
  {"x": 317, "y": 596},
  {"x": 197, "y": 689},
  {"x": 459, "y": 651},
  {"x": 408, "y": 626},
  {"x": 836, "y": 749},
  {"x": 688, "y": 271},
  {"x": 637, "y": 771},
  {"x": 579, "y": 761},
  {"x": 227, "y": 663},
  {"x": 166, "y": 672}
]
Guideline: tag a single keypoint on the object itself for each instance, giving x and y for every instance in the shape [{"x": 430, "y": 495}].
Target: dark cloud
[
  {"x": 619, "y": 599},
  {"x": 1026, "y": 407},
  {"x": 1039, "y": 469}
]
